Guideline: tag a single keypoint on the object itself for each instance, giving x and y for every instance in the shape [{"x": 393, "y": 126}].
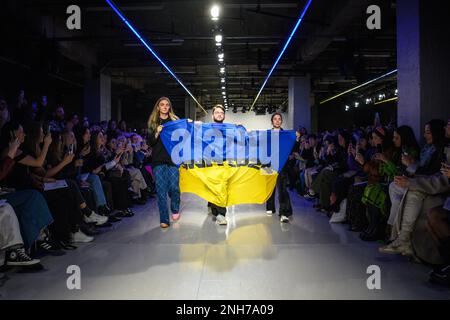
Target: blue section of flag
[{"x": 189, "y": 142}]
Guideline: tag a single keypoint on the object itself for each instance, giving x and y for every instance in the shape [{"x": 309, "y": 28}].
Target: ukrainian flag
[{"x": 223, "y": 163}]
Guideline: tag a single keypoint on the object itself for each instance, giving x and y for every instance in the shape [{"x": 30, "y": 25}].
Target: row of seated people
[
  {"x": 63, "y": 182},
  {"x": 384, "y": 185}
]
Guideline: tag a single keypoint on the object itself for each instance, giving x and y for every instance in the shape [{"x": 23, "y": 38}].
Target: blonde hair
[{"x": 153, "y": 120}]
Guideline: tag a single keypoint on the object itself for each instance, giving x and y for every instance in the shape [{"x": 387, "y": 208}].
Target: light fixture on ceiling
[{"x": 215, "y": 11}]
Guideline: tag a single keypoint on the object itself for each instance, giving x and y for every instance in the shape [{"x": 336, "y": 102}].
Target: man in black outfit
[{"x": 282, "y": 181}]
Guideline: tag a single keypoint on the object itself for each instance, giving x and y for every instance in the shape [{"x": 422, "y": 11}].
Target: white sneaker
[
  {"x": 309, "y": 195},
  {"x": 98, "y": 219},
  {"x": 269, "y": 213},
  {"x": 79, "y": 236},
  {"x": 284, "y": 219},
  {"x": 395, "y": 247},
  {"x": 221, "y": 220}
]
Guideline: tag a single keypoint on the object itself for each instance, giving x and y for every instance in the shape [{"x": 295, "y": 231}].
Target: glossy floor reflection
[{"x": 254, "y": 257}]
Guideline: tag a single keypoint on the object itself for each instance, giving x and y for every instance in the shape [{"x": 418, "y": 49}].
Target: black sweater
[{"x": 159, "y": 153}]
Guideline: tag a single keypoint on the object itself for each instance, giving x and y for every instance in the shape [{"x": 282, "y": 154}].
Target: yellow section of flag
[{"x": 226, "y": 185}]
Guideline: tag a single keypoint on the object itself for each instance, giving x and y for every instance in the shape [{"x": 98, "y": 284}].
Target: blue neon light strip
[
  {"x": 116, "y": 10},
  {"x": 360, "y": 86},
  {"x": 282, "y": 51}
]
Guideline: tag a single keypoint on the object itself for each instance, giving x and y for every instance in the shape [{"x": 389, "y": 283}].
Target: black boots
[{"x": 375, "y": 229}]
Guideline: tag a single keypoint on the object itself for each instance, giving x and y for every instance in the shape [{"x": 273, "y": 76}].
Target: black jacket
[{"x": 159, "y": 153}]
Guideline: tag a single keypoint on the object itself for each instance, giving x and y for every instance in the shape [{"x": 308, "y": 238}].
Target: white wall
[{"x": 249, "y": 120}]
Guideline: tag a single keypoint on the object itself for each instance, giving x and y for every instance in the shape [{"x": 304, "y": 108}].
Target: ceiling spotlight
[
  {"x": 218, "y": 38},
  {"x": 215, "y": 10},
  {"x": 356, "y": 104},
  {"x": 381, "y": 96},
  {"x": 220, "y": 55},
  {"x": 222, "y": 70},
  {"x": 223, "y": 88},
  {"x": 222, "y": 80},
  {"x": 223, "y": 92},
  {"x": 396, "y": 92},
  {"x": 368, "y": 100},
  {"x": 220, "y": 60},
  {"x": 347, "y": 108}
]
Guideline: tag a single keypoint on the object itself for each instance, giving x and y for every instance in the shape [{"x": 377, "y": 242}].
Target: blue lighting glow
[
  {"x": 117, "y": 11},
  {"x": 282, "y": 51}
]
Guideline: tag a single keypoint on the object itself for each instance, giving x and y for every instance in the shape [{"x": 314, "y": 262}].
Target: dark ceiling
[{"x": 333, "y": 45}]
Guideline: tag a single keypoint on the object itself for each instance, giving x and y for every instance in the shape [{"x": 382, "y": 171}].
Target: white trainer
[
  {"x": 80, "y": 237},
  {"x": 98, "y": 219},
  {"x": 221, "y": 220},
  {"x": 284, "y": 219},
  {"x": 269, "y": 213},
  {"x": 395, "y": 247}
]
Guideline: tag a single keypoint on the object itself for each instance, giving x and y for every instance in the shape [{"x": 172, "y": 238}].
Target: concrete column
[
  {"x": 423, "y": 43},
  {"x": 119, "y": 110},
  {"x": 105, "y": 97},
  {"x": 299, "y": 103},
  {"x": 97, "y": 98},
  {"x": 189, "y": 108}
]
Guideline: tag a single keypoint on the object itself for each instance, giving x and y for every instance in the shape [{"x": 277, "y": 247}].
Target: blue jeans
[
  {"x": 167, "y": 183},
  {"x": 302, "y": 182},
  {"x": 96, "y": 184},
  {"x": 32, "y": 212}
]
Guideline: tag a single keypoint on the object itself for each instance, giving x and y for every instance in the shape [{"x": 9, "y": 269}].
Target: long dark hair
[
  {"x": 408, "y": 139},
  {"x": 386, "y": 136},
  {"x": 32, "y": 138},
  {"x": 437, "y": 128},
  {"x": 55, "y": 148},
  {"x": 94, "y": 134},
  {"x": 5, "y": 136}
]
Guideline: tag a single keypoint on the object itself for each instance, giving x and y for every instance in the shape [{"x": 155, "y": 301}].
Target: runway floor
[{"x": 254, "y": 257}]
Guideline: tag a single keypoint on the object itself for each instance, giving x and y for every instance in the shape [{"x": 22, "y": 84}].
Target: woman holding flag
[{"x": 165, "y": 171}]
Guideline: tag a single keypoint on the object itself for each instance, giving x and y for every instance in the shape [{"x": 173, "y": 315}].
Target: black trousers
[
  {"x": 65, "y": 211},
  {"x": 120, "y": 194},
  {"x": 107, "y": 189},
  {"x": 216, "y": 210},
  {"x": 283, "y": 196},
  {"x": 89, "y": 198}
]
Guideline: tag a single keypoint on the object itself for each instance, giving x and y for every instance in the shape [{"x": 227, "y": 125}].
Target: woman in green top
[{"x": 403, "y": 162}]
